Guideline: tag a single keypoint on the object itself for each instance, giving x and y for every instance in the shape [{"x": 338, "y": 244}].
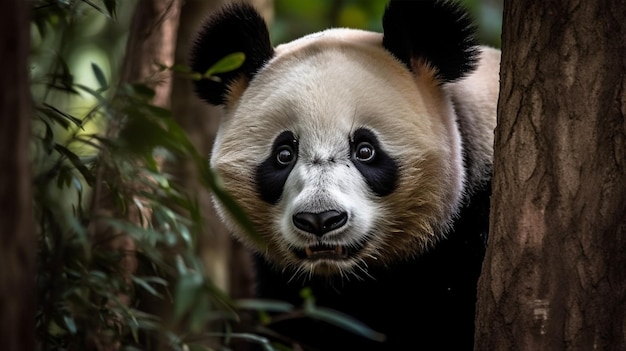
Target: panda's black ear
[
  {"x": 440, "y": 33},
  {"x": 237, "y": 27}
]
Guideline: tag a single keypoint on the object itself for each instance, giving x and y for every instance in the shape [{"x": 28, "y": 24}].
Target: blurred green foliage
[
  {"x": 297, "y": 18},
  {"x": 94, "y": 138}
]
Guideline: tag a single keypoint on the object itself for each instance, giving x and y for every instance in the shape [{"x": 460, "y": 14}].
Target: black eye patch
[
  {"x": 272, "y": 173},
  {"x": 377, "y": 167}
]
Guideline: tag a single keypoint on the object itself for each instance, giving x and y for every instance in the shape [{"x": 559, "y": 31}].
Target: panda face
[{"x": 341, "y": 157}]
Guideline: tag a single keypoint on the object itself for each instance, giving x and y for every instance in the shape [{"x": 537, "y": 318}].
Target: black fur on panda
[{"x": 364, "y": 161}]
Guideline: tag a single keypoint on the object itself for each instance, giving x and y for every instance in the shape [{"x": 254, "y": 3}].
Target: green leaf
[
  {"x": 264, "y": 305},
  {"x": 76, "y": 162},
  {"x": 48, "y": 139},
  {"x": 157, "y": 111},
  {"x": 81, "y": 235},
  {"x": 188, "y": 288},
  {"x": 179, "y": 68},
  {"x": 307, "y": 294},
  {"x": 59, "y": 116},
  {"x": 65, "y": 76},
  {"x": 181, "y": 267},
  {"x": 97, "y": 71},
  {"x": 53, "y": 117},
  {"x": 70, "y": 324},
  {"x": 198, "y": 315},
  {"x": 41, "y": 23},
  {"x": 142, "y": 90},
  {"x": 343, "y": 321},
  {"x": 54, "y": 329},
  {"x": 110, "y": 5},
  {"x": 228, "y": 63},
  {"x": 211, "y": 180},
  {"x": 144, "y": 283},
  {"x": 141, "y": 135},
  {"x": 93, "y": 93},
  {"x": 96, "y": 7},
  {"x": 64, "y": 177}
]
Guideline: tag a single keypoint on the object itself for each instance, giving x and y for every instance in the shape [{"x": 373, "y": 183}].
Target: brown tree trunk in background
[
  {"x": 151, "y": 41},
  {"x": 200, "y": 122},
  {"x": 555, "y": 273},
  {"x": 227, "y": 263},
  {"x": 17, "y": 238}
]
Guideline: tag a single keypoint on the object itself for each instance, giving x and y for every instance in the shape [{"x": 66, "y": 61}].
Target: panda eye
[
  {"x": 364, "y": 152},
  {"x": 284, "y": 155}
]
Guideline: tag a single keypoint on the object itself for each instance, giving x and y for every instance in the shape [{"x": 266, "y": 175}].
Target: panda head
[{"x": 341, "y": 146}]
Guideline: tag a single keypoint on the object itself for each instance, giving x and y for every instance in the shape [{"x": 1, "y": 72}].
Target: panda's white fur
[{"x": 364, "y": 162}]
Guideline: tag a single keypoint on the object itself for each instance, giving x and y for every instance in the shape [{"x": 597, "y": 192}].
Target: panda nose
[{"x": 320, "y": 223}]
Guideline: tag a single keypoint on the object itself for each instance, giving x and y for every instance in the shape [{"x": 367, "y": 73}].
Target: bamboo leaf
[
  {"x": 178, "y": 68},
  {"x": 227, "y": 64},
  {"x": 65, "y": 76},
  {"x": 97, "y": 8},
  {"x": 97, "y": 71},
  {"x": 144, "y": 283},
  {"x": 142, "y": 91},
  {"x": 229, "y": 203},
  {"x": 111, "y": 7},
  {"x": 57, "y": 115},
  {"x": 343, "y": 321},
  {"x": 187, "y": 290},
  {"x": 48, "y": 139},
  {"x": 92, "y": 92},
  {"x": 264, "y": 305},
  {"x": 157, "y": 111},
  {"x": 77, "y": 163},
  {"x": 70, "y": 324}
]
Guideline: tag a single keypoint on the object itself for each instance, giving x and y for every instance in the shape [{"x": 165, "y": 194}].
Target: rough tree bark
[
  {"x": 152, "y": 41},
  {"x": 554, "y": 277},
  {"x": 17, "y": 236}
]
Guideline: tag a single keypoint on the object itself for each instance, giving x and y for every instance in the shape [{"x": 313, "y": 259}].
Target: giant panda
[{"x": 364, "y": 161}]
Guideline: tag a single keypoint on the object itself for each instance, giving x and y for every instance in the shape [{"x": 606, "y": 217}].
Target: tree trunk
[
  {"x": 17, "y": 239},
  {"x": 554, "y": 277},
  {"x": 151, "y": 42},
  {"x": 228, "y": 263},
  {"x": 152, "y": 39},
  {"x": 200, "y": 122}
]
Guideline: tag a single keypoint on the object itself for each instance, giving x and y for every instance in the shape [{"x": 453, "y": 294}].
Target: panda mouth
[{"x": 325, "y": 251}]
